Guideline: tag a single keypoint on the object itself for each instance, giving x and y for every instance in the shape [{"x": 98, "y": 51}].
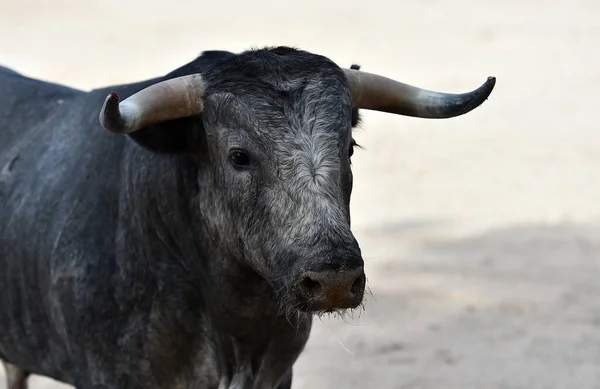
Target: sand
[{"x": 481, "y": 233}]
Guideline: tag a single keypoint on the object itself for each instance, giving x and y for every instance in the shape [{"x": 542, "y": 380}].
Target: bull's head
[{"x": 277, "y": 131}]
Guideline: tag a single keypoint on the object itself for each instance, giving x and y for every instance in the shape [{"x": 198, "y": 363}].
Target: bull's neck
[
  {"x": 219, "y": 309},
  {"x": 254, "y": 344},
  {"x": 243, "y": 302}
]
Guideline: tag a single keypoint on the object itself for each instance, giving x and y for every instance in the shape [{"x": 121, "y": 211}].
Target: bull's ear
[
  {"x": 171, "y": 137},
  {"x": 355, "y": 111}
]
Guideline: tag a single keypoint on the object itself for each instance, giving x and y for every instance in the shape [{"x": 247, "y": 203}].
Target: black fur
[{"x": 148, "y": 261}]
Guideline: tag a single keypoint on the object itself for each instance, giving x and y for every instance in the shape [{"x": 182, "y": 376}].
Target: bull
[{"x": 183, "y": 231}]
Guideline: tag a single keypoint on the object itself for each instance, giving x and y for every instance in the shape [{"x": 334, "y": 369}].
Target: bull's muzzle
[{"x": 331, "y": 290}]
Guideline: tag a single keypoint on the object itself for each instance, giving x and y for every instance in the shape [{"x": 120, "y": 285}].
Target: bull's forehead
[
  {"x": 284, "y": 91},
  {"x": 295, "y": 109},
  {"x": 300, "y": 126},
  {"x": 310, "y": 136},
  {"x": 284, "y": 113}
]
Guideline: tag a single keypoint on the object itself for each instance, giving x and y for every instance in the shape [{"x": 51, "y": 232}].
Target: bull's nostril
[
  {"x": 358, "y": 285},
  {"x": 311, "y": 286}
]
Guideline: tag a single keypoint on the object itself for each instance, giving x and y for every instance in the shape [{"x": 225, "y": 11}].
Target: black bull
[{"x": 194, "y": 251}]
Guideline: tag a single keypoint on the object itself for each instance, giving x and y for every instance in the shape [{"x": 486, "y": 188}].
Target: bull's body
[
  {"x": 192, "y": 252},
  {"x": 80, "y": 301}
]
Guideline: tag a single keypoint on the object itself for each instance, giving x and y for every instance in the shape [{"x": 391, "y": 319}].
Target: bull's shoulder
[
  {"x": 24, "y": 86},
  {"x": 214, "y": 55},
  {"x": 5, "y": 70},
  {"x": 200, "y": 64},
  {"x": 27, "y": 103},
  {"x": 25, "y": 100}
]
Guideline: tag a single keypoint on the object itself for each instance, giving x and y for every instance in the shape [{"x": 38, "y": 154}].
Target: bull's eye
[
  {"x": 239, "y": 158},
  {"x": 351, "y": 149}
]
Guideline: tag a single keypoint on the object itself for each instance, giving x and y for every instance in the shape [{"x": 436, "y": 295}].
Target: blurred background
[{"x": 481, "y": 233}]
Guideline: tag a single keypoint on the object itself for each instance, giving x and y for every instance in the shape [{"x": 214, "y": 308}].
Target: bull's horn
[
  {"x": 374, "y": 92},
  {"x": 167, "y": 100}
]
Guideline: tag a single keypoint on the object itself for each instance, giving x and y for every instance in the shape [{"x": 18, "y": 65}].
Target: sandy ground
[{"x": 481, "y": 233}]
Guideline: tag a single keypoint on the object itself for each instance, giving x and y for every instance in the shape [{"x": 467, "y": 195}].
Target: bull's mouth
[{"x": 332, "y": 304}]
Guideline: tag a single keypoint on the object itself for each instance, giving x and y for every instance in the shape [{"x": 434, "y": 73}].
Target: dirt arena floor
[{"x": 481, "y": 233}]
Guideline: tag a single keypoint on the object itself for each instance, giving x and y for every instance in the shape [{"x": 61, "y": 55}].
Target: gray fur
[{"x": 150, "y": 261}]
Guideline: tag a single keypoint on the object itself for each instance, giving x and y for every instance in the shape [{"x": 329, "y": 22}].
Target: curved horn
[
  {"x": 374, "y": 92},
  {"x": 167, "y": 100}
]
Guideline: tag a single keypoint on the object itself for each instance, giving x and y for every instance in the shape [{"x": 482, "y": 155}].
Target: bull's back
[
  {"x": 55, "y": 190},
  {"x": 60, "y": 177}
]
